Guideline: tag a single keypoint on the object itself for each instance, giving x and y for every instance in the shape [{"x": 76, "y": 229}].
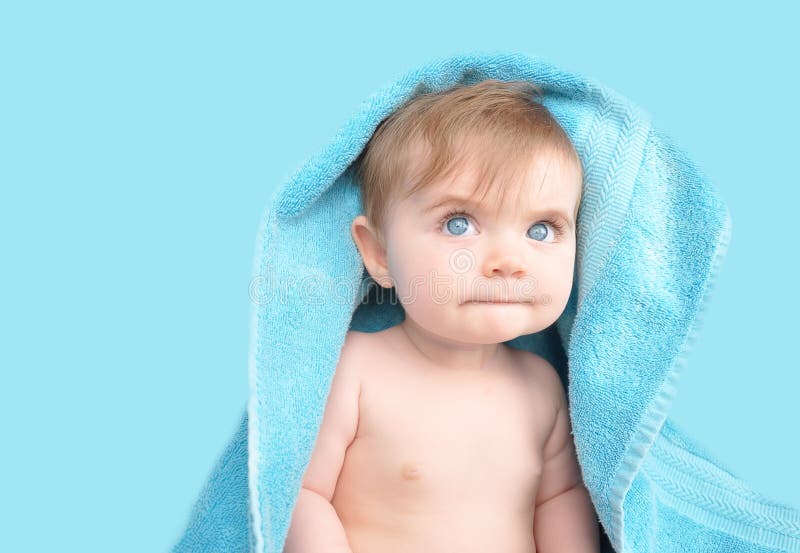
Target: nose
[{"x": 504, "y": 260}]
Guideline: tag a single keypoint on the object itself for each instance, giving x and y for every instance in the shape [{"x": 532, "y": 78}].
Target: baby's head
[{"x": 470, "y": 199}]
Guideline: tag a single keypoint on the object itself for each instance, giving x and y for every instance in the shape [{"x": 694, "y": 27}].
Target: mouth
[{"x": 497, "y": 302}]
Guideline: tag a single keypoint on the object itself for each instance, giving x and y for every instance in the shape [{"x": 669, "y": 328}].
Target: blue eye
[
  {"x": 539, "y": 231},
  {"x": 456, "y": 224}
]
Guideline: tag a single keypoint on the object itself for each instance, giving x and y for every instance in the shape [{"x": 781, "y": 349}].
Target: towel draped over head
[{"x": 651, "y": 234}]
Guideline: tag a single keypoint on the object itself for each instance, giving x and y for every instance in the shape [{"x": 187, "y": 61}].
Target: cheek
[
  {"x": 421, "y": 274},
  {"x": 413, "y": 259},
  {"x": 405, "y": 266},
  {"x": 397, "y": 256},
  {"x": 557, "y": 284}
]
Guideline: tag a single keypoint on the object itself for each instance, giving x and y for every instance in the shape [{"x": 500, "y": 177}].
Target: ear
[{"x": 373, "y": 253}]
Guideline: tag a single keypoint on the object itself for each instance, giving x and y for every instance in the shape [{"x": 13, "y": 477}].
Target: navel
[{"x": 410, "y": 471}]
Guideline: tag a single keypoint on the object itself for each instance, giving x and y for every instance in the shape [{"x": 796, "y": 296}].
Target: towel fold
[{"x": 652, "y": 232}]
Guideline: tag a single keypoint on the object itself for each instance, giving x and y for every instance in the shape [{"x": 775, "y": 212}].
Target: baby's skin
[{"x": 437, "y": 437}]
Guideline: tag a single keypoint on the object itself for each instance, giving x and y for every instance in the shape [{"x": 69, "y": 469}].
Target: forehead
[{"x": 551, "y": 182}]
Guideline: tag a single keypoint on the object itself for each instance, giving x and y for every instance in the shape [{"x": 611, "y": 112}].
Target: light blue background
[{"x": 140, "y": 143}]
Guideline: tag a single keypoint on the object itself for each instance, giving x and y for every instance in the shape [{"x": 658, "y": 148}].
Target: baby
[{"x": 437, "y": 436}]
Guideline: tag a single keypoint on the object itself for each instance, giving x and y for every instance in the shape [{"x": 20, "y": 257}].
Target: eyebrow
[{"x": 467, "y": 203}]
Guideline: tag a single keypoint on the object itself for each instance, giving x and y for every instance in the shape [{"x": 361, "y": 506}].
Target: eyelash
[{"x": 557, "y": 225}]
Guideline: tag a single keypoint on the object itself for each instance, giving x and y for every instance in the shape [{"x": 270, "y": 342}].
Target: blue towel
[{"x": 652, "y": 232}]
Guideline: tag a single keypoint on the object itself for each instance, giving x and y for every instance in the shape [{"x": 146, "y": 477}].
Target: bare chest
[{"x": 443, "y": 461}]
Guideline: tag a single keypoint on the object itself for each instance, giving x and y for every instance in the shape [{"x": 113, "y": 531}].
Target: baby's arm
[
  {"x": 315, "y": 526},
  {"x": 564, "y": 519}
]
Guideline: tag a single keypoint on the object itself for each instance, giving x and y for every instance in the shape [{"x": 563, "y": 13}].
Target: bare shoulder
[
  {"x": 353, "y": 340},
  {"x": 542, "y": 377},
  {"x": 353, "y": 351},
  {"x": 358, "y": 344},
  {"x": 347, "y": 378},
  {"x": 359, "y": 351}
]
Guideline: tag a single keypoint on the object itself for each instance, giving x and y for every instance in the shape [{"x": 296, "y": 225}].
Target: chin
[
  {"x": 491, "y": 333},
  {"x": 503, "y": 330}
]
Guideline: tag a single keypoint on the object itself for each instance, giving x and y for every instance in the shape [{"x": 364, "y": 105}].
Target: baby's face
[{"x": 486, "y": 273}]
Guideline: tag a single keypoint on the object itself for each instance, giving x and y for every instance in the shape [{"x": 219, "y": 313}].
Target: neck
[{"x": 449, "y": 354}]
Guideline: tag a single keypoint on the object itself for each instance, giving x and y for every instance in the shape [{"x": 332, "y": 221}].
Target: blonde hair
[{"x": 497, "y": 124}]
